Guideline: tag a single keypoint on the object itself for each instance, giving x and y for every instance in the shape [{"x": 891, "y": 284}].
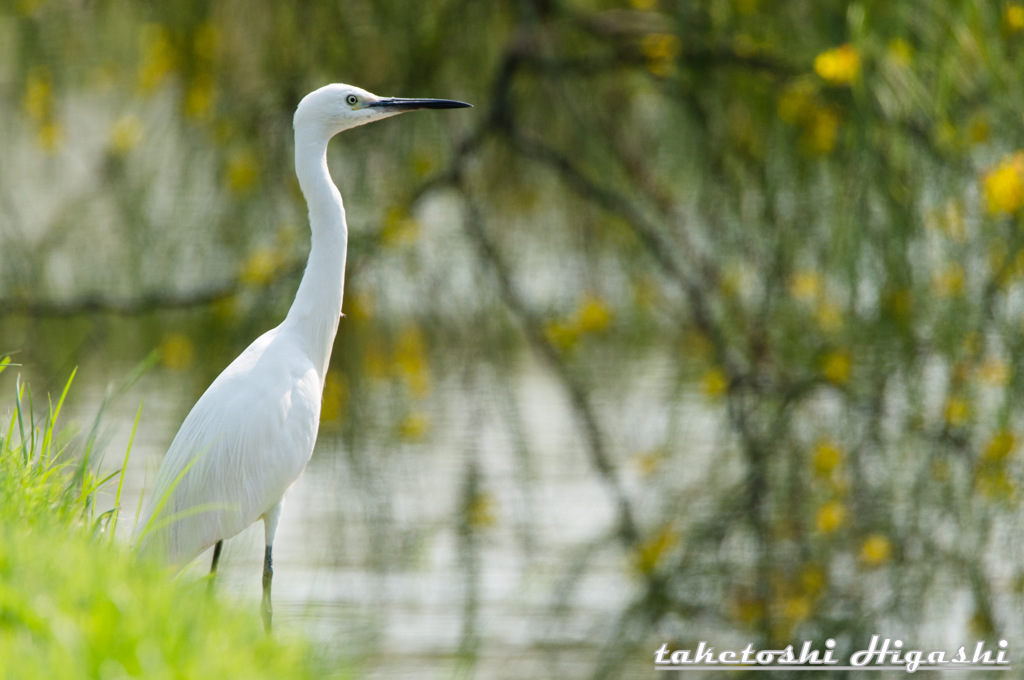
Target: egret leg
[
  {"x": 216, "y": 557},
  {"x": 267, "y": 609},
  {"x": 213, "y": 565},
  {"x": 269, "y": 529}
]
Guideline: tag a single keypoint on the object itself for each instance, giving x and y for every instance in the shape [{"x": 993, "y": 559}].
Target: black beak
[{"x": 398, "y": 104}]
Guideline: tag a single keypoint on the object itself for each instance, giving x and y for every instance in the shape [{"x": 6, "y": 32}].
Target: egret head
[{"x": 338, "y": 107}]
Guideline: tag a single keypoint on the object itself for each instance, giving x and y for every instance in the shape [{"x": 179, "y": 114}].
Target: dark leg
[
  {"x": 270, "y": 528},
  {"x": 268, "y": 574},
  {"x": 213, "y": 566},
  {"x": 216, "y": 557}
]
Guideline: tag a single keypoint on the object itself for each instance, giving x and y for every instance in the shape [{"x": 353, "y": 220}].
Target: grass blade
[
  {"x": 124, "y": 469},
  {"x": 51, "y": 420}
]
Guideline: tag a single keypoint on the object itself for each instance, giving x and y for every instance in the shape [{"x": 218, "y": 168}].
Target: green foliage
[
  {"x": 75, "y": 605},
  {"x": 72, "y": 607}
]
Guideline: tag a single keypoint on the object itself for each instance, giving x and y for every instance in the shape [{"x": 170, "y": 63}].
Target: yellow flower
[
  {"x": 125, "y": 134},
  {"x": 949, "y": 220},
  {"x": 661, "y": 46},
  {"x": 821, "y": 131},
  {"x": 715, "y": 382},
  {"x": 661, "y": 50},
  {"x": 1014, "y": 16},
  {"x": 876, "y": 550},
  {"x": 411, "y": 362},
  {"x": 177, "y": 352},
  {"x": 38, "y": 99},
  {"x": 839, "y": 66},
  {"x": 746, "y": 6},
  {"x": 422, "y": 163},
  {"x": 830, "y": 517},
  {"x": 414, "y": 426},
  {"x": 900, "y": 52},
  {"x": 949, "y": 282},
  {"x": 200, "y": 97},
  {"x": 1004, "y": 186},
  {"x": 812, "y": 580},
  {"x": 335, "y": 398},
  {"x": 797, "y": 101},
  {"x": 956, "y": 411},
  {"x": 242, "y": 172},
  {"x": 50, "y": 135},
  {"x": 995, "y": 372},
  {"x": 799, "y": 105},
  {"x": 38, "y": 103},
  {"x": 999, "y": 447},
  {"x": 561, "y": 334},
  {"x": 480, "y": 513},
  {"x": 730, "y": 283},
  {"x": 28, "y": 7},
  {"x": 399, "y": 228},
  {"x": 796, "y": 608},
  {"x": 835, "y": 366},
  {"x": 827, "y": 457},
  {"x": 648, "y": 462},
  {"x": 829, "y": 316},
  {"x": 359, "y": 306},
  {"x": 651, "y": 552},
  {"x": 996, "y": 484},
  {"x": 593, "y": 315},
  {"x": 159, "y": 57},
  {"x": 260, "y": 268},
  {"x": 806, "y": 286}
]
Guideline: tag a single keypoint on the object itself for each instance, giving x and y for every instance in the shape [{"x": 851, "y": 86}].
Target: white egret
[{"x": 248, "y": 438}]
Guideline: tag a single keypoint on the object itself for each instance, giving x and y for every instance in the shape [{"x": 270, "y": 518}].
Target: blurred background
[{"x": 704, "y": 323}]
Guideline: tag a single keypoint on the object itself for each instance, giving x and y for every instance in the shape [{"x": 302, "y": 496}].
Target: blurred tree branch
[{"x": 577, "y": 393}]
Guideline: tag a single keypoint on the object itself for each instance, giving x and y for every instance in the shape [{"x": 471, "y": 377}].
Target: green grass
[{"x": 75, "y": 603}]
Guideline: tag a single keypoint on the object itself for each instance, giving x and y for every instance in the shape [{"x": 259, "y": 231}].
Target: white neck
[{"x": 317, "y": 307}]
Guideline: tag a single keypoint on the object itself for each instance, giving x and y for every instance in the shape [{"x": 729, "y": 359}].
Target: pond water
[{"x": 370, "y": 560}]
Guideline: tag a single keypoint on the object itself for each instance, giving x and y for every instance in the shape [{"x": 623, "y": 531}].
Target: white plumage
[
  {"x": 248, "y": 438},
  {"x": 236, "y": 475}
]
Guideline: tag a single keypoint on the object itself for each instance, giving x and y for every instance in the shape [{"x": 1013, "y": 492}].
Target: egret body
[{"x": 248, "y": 438}]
